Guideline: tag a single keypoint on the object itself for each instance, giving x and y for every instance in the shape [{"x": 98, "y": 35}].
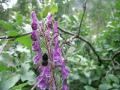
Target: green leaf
[
  {"x": 89, "y": 88},
  {"x": 27, "y": 74},
  {"x": 7, "y": 25},
  {"x": 45, "y": 11},
  {"x": 19, "y": 19},
  {"x": 25, "y": 40},
  {"x": 105, "y": 87},
  {"x": 54, "y": 9},
  {"x": 3, "y": 67},
  {"x": 19, "y": 87},
  {"x": 9, "y": 82},
  {"x": 112, "y": 78},
  {"x": 12, "y": 33}
]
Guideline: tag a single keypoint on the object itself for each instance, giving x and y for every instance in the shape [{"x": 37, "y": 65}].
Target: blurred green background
[{"x": 100, "y": 26}]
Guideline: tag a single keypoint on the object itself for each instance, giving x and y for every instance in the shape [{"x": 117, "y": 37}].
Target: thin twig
[
  {"x": 14, "y": 37},
  {"x": 67, "y": 41},
  {"x": 84, "y": 10},
  {"x": 69, "y": 33},
  {"x": 92, "y": 48}
]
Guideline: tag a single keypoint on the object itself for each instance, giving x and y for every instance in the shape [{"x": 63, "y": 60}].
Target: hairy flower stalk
[{"x": 46, "y": 79}]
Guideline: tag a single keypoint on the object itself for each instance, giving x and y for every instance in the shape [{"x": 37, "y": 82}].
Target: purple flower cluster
[
  {"x": 57, "y": 57},
  {"x": 46, "y": 79},
  {"x": 35, "y": 39}
]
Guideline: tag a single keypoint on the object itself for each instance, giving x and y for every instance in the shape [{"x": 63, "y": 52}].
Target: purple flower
[
  {"x": 35, "y": 46},
  {"x": 65, "y": 86},
  {"x": 34, "y": 26},
  {"x": 55, "y": 26},
  {"x": 44, "y": 77},
  {"x": 49, "y": 19},
  {"x": 56, "y": 54},
  {"x": 42, "y": 82},
  {"x": 65, "y": 71},
  {"x": 56, "y": 51},
  {"x": 46, "y": 71},
  {"x": 37, "y": 58},
  {"x": 34, "y": 21},
  {"x": 34, "y": 36},
  {"x": 57, "y": 57}
]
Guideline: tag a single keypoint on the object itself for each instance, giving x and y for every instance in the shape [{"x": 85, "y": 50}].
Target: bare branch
[
  {"x": 87, "y": 42},
  {"x": 92, "y": 48},
  {"x": 84, "y": 10},
  {"x": 71, "y": 34},
  {"x": 14, "y": 37}
]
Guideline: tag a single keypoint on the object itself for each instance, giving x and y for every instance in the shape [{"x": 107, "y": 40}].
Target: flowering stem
[{"x": 49, "y": 53}]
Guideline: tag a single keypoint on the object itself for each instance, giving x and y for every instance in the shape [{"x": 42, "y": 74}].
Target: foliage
[{"x": 100, "y": 26}]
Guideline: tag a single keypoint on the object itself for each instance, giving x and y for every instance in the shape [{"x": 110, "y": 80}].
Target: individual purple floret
[
  {"x": 34, "y": 21},
  {"x": 44, "y": 77},
  {"x": 46, "y": 71},
  {"x": 42, "y": 82},
  {"x": 36, "y": 46},
  {"x": 65, "y": 85},
  {"x": 65, "y": 71},
  {"x": 34, "y": 36},
  {"x": 49, "y": 19},
  {"x": 37, "y": 58}
]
